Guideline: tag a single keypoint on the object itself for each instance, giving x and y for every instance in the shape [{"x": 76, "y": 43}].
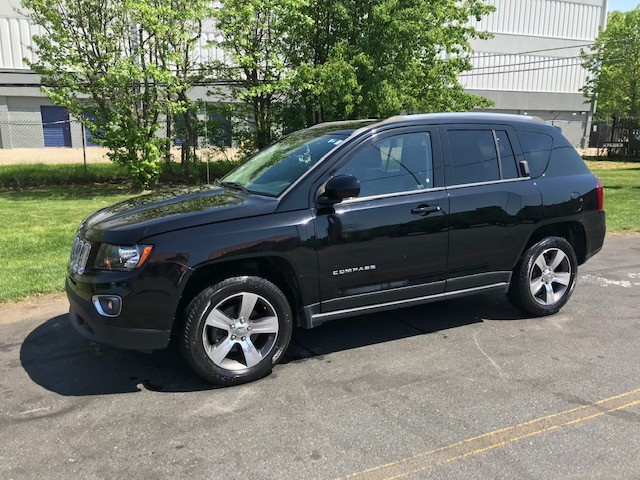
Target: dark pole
[{"x": 84, "y": 148}]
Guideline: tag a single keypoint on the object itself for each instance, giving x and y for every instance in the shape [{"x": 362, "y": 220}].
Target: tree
[
  {"x": 307, "y": 61},
  {"x": 613, "y": 66},
  {"x": 255, "y": 34},
  {"x": 179, "y": 31},
  {"x": 123, "y": 64},
  {"x": 405, "y": 55}
]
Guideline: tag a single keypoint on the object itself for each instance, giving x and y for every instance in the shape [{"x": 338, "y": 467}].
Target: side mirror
[
  {"x": 524, "y": 168},
  {"x": 339, "y": 188}
]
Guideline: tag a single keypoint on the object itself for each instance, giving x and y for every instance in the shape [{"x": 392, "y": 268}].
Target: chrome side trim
[
  {"x": 508, "y": 180},
  {"x": 386, "y": 290},
  {"x": 319, "y": 318},
  {"x": 427, "y": 190},
  {"x": 390, "y": 195}
]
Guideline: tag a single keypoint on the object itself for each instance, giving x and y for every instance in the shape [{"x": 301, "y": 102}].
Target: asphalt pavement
[{"x": 468, "y": 388}]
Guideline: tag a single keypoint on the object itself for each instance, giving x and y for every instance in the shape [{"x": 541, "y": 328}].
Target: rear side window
[
  {"x": 537, "y": 149},
  {"x": 474, "y": 156},
  {"x": 566, "y": 161}
]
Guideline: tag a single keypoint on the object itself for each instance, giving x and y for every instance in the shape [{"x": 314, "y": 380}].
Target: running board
[{"x": 319, "y": 318}]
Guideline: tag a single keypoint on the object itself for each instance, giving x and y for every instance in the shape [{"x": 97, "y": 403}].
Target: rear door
[
  {"x": 389, "y": 243},
  {"x": 493, "y": 208}
]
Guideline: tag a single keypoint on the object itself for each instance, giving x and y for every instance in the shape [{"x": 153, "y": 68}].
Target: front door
[{"x": 390, "y": 243}]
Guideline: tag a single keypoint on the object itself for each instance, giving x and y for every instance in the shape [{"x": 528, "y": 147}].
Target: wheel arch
[
  {"x": 275, "y": 269},
  {"x": 573, "y": 232}
]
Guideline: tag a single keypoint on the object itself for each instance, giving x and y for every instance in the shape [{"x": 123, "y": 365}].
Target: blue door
[
  {"x": 55, "y": 126},
  {"x": 88, "y": 137}
]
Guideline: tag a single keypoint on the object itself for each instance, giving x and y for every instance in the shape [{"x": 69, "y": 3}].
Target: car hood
[{"x": 131, "y": 221}]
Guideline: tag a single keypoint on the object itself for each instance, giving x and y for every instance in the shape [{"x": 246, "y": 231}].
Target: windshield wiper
[{"x": 235, "y": 186}]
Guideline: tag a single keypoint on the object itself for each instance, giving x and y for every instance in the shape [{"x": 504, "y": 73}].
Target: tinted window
[
  {"x": 566, "y": 161},
  {"x": 536, "y": 148},
  {"x": 396, "y": 164},
  {"x": 507, "y": 158},
  {"x": 474, "y": 157}
]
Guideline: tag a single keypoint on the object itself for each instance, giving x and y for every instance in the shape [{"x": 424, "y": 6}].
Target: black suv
[{"x": 337, "y": 220}]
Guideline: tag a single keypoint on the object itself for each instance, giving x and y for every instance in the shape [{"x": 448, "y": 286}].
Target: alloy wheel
[
  {"x": 550, "y": 276},
  {"x": 240, "y": 331}
]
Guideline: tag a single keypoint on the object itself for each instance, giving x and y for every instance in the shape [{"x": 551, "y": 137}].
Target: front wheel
[
  {"x": 236, "y": 330},
  {"x": 544, "y": 279}
]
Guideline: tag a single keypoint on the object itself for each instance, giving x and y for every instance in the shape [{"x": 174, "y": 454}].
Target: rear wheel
[
  {"x": 544, "y": 279},
  {"x": 236, "y": 330}
]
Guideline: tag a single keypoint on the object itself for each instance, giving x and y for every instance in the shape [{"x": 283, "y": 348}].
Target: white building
[{"x": 531, "y": 65}]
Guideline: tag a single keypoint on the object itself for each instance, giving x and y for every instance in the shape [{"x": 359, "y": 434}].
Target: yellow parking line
[{"x": 497, "y": 438}]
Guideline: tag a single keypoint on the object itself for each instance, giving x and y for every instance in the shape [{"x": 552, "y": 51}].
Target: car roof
[
  {"x": 349, "y": 127},
  {"x": 461, "y": 117},
  {"x": 346, "y": 127}
]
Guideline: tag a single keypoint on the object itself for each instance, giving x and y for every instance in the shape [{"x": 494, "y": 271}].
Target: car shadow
[{"x": 58, "y": 359}]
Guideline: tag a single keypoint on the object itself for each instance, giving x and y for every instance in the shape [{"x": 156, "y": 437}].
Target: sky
[{"x": 623, "y": 5}]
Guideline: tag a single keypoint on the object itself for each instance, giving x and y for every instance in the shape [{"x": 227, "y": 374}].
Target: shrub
[{"x": 39, "y": 174}]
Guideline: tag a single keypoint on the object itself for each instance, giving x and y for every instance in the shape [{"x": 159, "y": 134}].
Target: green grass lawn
[
  {"x": 38, "y": 225},
  {"x": 621, "y": 194}
]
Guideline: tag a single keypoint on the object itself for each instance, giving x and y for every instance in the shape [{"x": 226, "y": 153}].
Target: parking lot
[{"x": 468, "y": 388}]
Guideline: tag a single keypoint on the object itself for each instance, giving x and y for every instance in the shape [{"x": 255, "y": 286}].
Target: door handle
[{"x": 426, "y": 209}]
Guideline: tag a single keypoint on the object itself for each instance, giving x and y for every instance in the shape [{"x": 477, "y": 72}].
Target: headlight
[{"x": 115, "y": 257}]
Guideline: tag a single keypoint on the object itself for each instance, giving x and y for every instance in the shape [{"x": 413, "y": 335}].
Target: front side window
[{"x": 396, "y": 164}]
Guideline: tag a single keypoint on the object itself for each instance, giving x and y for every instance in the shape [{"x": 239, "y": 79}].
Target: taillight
[{"x": 600, "y": 190}]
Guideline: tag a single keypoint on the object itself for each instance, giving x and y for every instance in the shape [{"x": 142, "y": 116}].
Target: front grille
[{"x": 79, "y": 255}]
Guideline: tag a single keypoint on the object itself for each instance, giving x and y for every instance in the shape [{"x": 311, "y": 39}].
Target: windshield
[{"x": 272, "y": 170}]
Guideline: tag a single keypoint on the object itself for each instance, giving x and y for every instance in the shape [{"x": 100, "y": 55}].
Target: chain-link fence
[
  {"x": 58, "y": 141},
  {"x": 67, "y": 141}
]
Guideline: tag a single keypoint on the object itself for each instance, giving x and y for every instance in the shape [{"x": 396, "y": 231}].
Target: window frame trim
[{"x": 498, "y": 156}]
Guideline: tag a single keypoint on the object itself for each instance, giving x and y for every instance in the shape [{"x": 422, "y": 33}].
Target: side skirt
[{"x": 312, "y": 319}]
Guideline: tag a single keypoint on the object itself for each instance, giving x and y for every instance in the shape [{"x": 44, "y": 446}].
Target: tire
[
  {"x": 545, "y": 277},
  {"x": 236, "y": 330}
]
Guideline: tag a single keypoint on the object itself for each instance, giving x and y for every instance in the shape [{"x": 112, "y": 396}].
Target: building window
[{"x": 219, "y": 130}]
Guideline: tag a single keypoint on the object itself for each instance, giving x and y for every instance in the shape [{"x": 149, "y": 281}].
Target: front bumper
[{"x": 93, "y": 326}]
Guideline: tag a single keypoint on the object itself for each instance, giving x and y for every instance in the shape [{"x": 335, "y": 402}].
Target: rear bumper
[
  {"x": 93, "y": 326},
  {"x": 595, "y": 229}
]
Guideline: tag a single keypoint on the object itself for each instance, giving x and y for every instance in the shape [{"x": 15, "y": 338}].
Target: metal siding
[
  {"x": 15, "y": 39},
  {"x": 525, "y": 73},
  {"x": 205, "y": 52},
  {"x": 5, "y": 59},
  {"x": 543, "y": 18}
]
